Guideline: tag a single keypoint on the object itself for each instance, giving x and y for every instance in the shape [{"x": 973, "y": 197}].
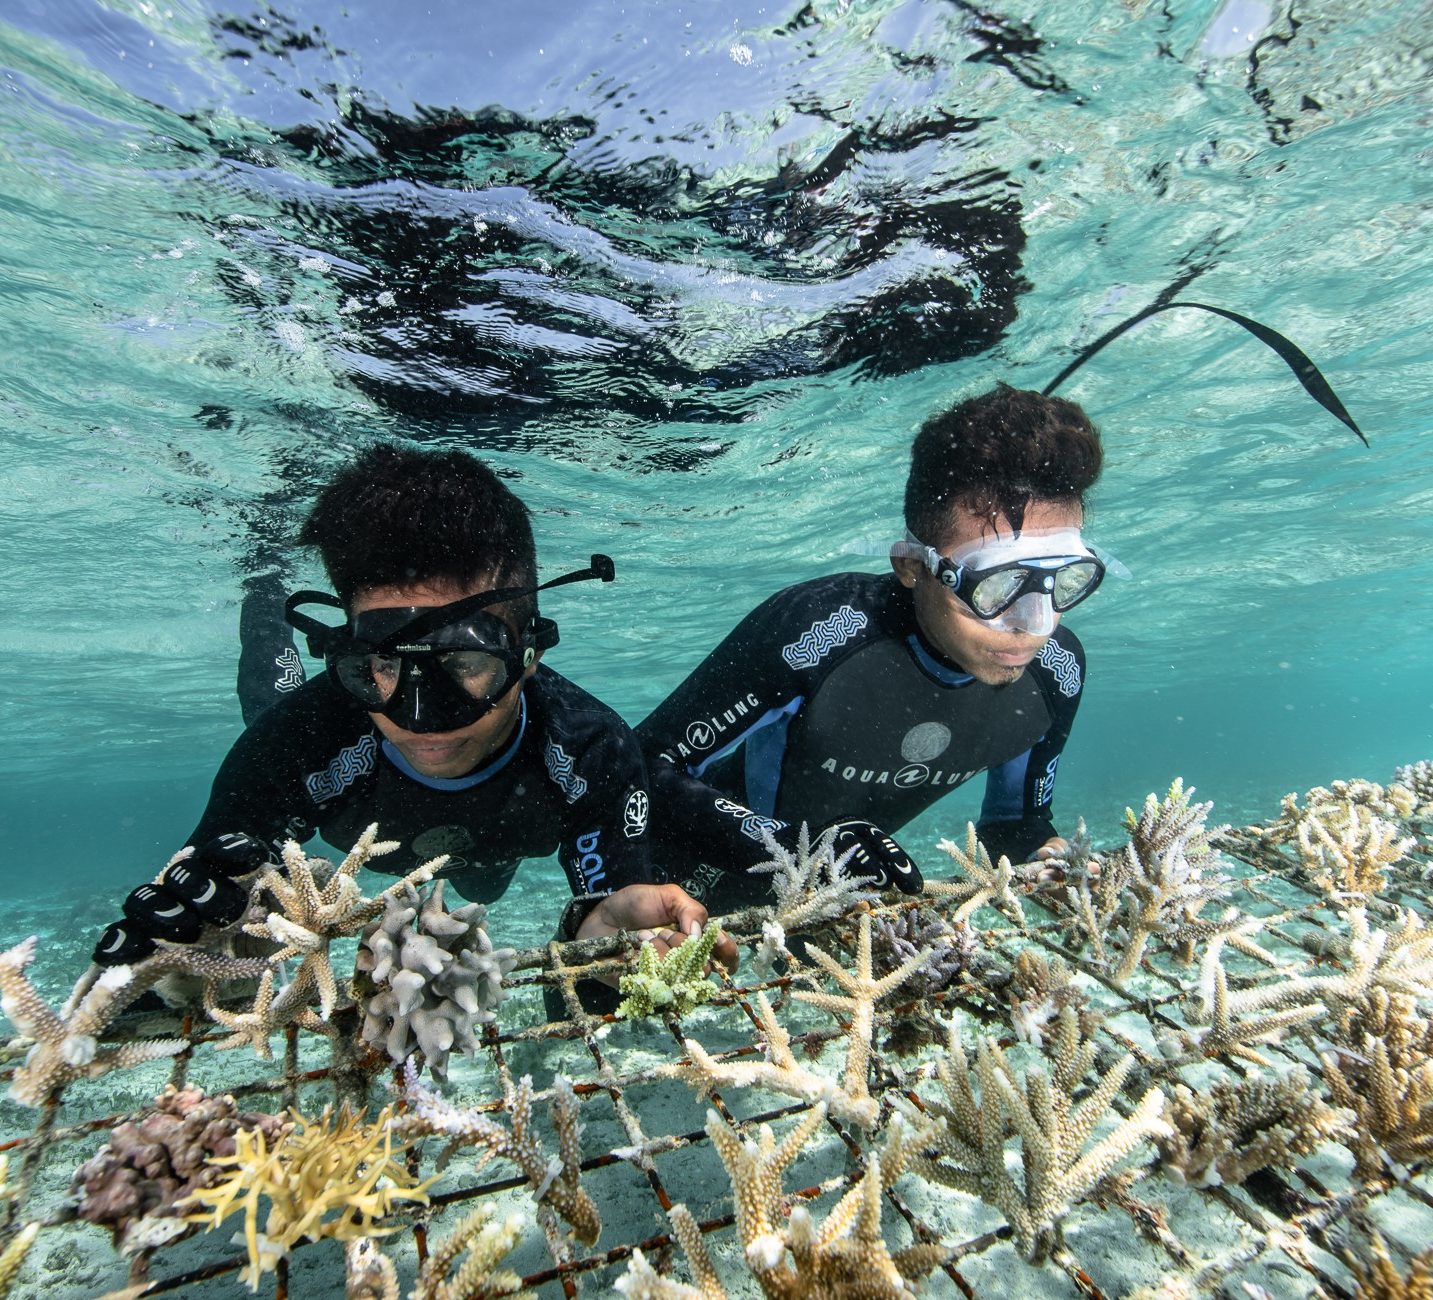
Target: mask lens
[
  {"x": 481, "y": 675},
  {"x": 370, "y": 679},
  {"x": 997, "y": 591},
  {"x": 1074, "y": 582}
]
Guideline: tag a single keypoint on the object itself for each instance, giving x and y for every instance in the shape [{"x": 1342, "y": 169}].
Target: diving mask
[
  {"x": 1016, "y": 583},
  {"x": 432, "y": 668}
]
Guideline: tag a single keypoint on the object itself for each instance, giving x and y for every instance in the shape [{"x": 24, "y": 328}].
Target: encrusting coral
[
  {"x": 67, "y": 1042},
  {"x": 967, "y": 1151},
  {"x": 675, "y": 981},
  {"x": 478, "y": 1277},
  {"x": 1222, "y": 1135},
  {"x": 851, "y": 1099},
  {"x": 133, "y": 1184},
  {"x": 555, "y": 1183},
  {"x": 846, "y": 1256},
  {"x": 334, "y": 1176},
  {"x": 426, "y": 978}
]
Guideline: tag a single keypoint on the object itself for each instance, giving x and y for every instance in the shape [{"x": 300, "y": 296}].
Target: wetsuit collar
[
  {"x": 936, "y": 665},
  {"x": 477, "y": 777}
]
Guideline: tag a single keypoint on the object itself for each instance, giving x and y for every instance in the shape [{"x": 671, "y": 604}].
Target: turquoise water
[{"x": 692, "y": 275}]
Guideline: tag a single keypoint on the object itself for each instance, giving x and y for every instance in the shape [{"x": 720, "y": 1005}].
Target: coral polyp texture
[
  {"x": 426, "y": 978},
  {"x": 1187, "y": 1060}
]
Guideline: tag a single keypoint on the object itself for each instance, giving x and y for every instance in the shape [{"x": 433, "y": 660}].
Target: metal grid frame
[{"x": 1296, "y": 1222}]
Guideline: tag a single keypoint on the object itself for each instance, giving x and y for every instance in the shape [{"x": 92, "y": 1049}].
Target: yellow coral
[{"x": 323, "y": 1178}]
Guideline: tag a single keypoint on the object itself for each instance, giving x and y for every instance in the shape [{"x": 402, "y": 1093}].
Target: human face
[
  {"x": 988, "y": 654},
  {"x": 446, "y": 753}
]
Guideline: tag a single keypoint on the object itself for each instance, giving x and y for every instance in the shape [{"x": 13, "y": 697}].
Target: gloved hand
[
  {"x": 196, "y": 891},
  {"x": 875, "y": 856}
]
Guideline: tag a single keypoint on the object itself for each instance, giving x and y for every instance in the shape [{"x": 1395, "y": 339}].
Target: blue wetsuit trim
[
  {"x": 764, "y": 756},
  {"x": 473, "y": 778},
  {"x": 1005, "y": 791},
  {"x": 932, "y": 666}
]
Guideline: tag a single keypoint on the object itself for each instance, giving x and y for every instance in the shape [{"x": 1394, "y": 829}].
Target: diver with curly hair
[{"x": 856, "y": 701}]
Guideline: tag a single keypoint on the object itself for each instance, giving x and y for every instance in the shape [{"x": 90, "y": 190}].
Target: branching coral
[
  {"x": 67, "y": 1043},
  {"x": 1059, "y": 1165},
  {"x": 1382, "y": 1069},
  {"x": 984, "y": 883},
  {"x": 152, "y": 1162},
  {"x": 1376, "y": 1276},
  {"x": 554, "y": 1182},
  {"x": 1224, "y": 1134},
  {"x": 426, "y": 977},
  {"x": 309, "y": 916},
  {"x": 1040, "y": 988},
  {"x": 894, "y": 941},
  {"x": 1417, "y": 779},
  {"x": 1155, "y": 887},
  {"x": 846, "y": 1256},
  {"x": 478, "y": 1277},
  {"x": 13, "y": 1256},
  {"x": 675, "y": 982},
  {"x": 335, "y": 1177},
  {"x": 368, "y": 1273},
  {"x": 812, "y": 884},
  {"x": 850, "y": 1100},
  {"x": 1352, "y": 856},
  {"x": 642, "y": 1282}
]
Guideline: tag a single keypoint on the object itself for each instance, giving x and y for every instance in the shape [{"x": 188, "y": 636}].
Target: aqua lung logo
[
  {"x": 903, "y": 778},
  {"x": 589, "y": 861},
  {"x": 704, "y": 733}
]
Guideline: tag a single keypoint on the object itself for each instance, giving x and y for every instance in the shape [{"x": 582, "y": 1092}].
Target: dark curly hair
[
  {"x": 400, "y": 515},
  {"x": 996, "y": 453}
]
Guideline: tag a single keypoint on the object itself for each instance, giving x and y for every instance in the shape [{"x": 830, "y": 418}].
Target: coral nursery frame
[{"x": 644, "y": 1088}]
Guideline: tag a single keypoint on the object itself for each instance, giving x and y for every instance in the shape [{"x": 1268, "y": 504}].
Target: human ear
[{"x": 907, "y": 570}]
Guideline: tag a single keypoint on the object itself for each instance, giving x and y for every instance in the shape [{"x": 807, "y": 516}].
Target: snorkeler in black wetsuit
[
  {"x": 434, "y": 719},
  {"x": 860, "y": 700}
]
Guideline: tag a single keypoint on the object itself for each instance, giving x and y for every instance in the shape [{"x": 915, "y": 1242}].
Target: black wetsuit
[
  {"x": 825, "y": 703},
  {"x": 570, "y": 780}
]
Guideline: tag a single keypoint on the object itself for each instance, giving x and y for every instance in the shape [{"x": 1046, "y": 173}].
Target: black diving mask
[{"x": 432, "y": 668}]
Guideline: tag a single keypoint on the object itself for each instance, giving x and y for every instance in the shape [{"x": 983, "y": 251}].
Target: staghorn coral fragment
[
  {"x": 1221, "y": 1136},
  {"x": 1226, "y": 1037},
  {"x": 1417, "y": 779},
  {"x": 427, "y": 978},
  {"x": 811, "y": 884},
  {"x": 642, "y": 1282},
  {"x": 335, "y": 1177},
  {"x": 849, "y": 1100},
  {"x": 1350, "y": 857},
  {"x": 1377, "y": 1277},
  {"x": 133, "y": 1184},
  {"x": 67, "y": 1043},
  {"x": 845, "y": 1256},
  {"x": 675, "y": 981},
  {"x": 967, "y": 1152},
  {"x": 555, "y": 1182},
  {"x": 984, "y": 884},
  {"x": 478, "y": 1277},
  {"x": 309, "y": 916}
]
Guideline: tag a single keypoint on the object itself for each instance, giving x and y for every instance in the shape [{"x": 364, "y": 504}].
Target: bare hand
[{"x": 662, "y": 915}]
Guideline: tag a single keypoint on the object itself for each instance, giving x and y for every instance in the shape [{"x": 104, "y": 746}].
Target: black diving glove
[
  {"x": 875, "y": 856},
  {"x": 196, "y": 891}
]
